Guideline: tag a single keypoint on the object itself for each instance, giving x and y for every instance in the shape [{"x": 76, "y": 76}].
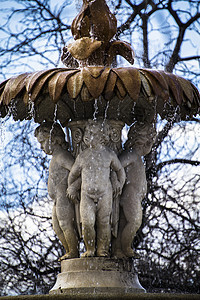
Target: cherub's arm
[
  {"x": 74, "y": 181},
  {"x": 121, "y": 175},
  {"x": 116, "y": 186},
  {"x": 73, "y": 191},
  {"x": 75, "y": 171}
]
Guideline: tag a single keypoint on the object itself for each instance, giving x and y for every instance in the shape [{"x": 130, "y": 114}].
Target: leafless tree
[{"x": 164, "y": 35}]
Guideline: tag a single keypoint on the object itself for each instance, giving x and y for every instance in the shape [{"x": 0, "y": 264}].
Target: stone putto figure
[
  {"x": 99, "y": 190},
  {"x": 52, "y": 140},
  {"x": 141, "y": 137},
  {"x": 95, "y": 165}
]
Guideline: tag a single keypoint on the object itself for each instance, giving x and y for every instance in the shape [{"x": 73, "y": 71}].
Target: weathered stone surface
[
  {"x": 97, "y": 187},
  {"x": 97, "y": 276},
  {"x": 52, "y": 140},
  {"x": 95, "y": 166}
]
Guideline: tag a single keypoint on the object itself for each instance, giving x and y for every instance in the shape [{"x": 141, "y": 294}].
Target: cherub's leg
[
  {"x": 134, "y": 220},
  {"x": 66, "y": 218},
  {"x": 104, "y": 224},
  {"x": 116, "y": 242},
  {"x": 58, "y": 230},
  {"x": 88, "y": 212}
]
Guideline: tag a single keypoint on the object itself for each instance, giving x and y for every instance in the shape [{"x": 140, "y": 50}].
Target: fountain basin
[{"x": 129, "y": 93}]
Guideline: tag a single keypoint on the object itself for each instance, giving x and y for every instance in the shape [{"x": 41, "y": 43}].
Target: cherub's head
[
  {"x": 96, "y": 132},
  {"x": 50, "y": 134}
]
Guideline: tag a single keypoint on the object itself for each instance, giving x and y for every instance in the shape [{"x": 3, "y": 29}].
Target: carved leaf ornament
[{"x": 49, "y": 87}]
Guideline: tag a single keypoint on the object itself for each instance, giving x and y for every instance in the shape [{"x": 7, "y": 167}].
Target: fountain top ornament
[
  {"x": 126, "y": 94},
  {"x": 93, "y": 29}
]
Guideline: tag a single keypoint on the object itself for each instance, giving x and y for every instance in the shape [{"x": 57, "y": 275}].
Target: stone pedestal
[{"x": 97, "y": 275}]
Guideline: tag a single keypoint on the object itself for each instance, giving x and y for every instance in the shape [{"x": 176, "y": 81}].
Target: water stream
[
  {"x": 133, "y": 108},
  {"x": 54, "y": 121},
  {"x": 31, "y": 110},
  {"x": 105, "y": 113},
  {"x": 95, "y": 110}
]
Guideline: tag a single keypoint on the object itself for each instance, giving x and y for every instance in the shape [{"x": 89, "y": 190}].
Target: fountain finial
[
  {"x": 93, "y": 29},
  {"x": 94, "y": 21}
]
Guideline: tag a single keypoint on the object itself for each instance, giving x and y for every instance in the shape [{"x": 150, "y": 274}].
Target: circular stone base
[{"x": 97, "y": 275}]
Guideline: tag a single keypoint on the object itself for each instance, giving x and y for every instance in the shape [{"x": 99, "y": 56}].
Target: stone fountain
[{"x": 97, "y": 184}]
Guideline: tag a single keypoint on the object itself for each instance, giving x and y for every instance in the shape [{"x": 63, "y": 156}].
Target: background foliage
[{"x": 165, "y": 35}]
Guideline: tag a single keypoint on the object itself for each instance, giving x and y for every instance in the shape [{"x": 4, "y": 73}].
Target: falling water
[
  {"x": 95, "y": 109},
  {"x": 106, "y": 112},
  {"x": 54, "y": 121},
  {"x": 133, "y": 108},
  {"x": 55, "y": 114},
  {"x": 31, "y": 110}
]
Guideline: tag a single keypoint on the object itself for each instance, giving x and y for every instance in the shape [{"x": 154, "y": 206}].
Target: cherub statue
[
  {"x": 95, "y": 165},
  {"x": 140, "y": 140},
  {"x": 52, "y": 140}
]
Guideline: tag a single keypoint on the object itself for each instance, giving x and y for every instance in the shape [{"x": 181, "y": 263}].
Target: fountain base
[{"x": 97, "y": 275}]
